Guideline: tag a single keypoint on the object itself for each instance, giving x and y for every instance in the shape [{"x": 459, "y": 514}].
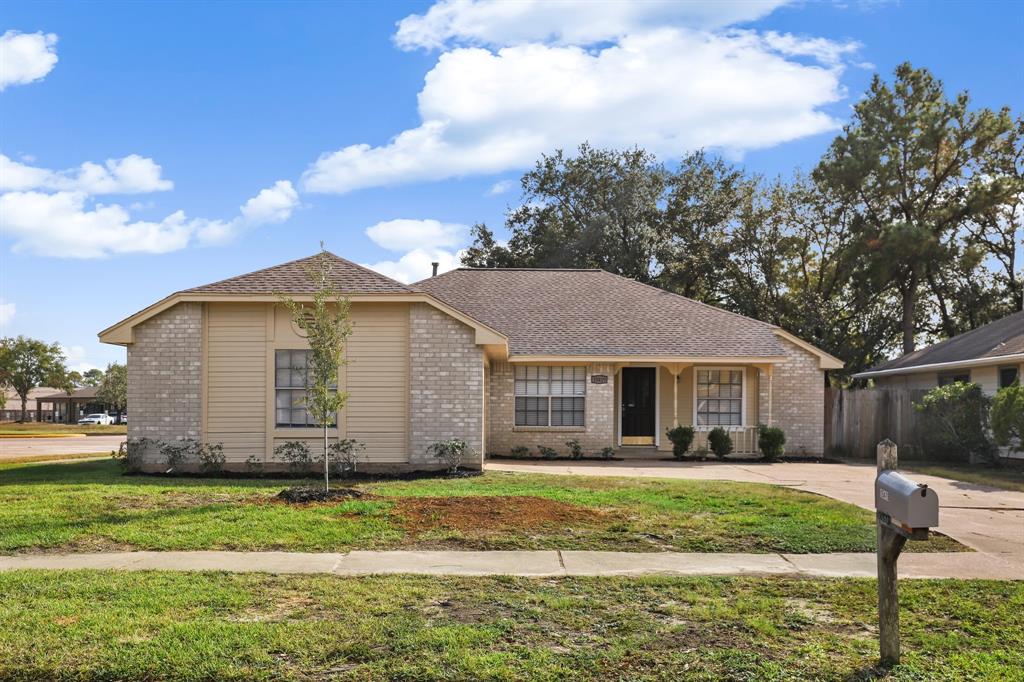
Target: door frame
[{"x": 657, "y": 403}]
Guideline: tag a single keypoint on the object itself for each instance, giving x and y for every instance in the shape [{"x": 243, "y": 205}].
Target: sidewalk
[{"x": 536, "y": 564}]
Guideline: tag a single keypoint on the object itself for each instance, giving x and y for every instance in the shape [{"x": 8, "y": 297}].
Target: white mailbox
[{"x": 908, "y": 504}]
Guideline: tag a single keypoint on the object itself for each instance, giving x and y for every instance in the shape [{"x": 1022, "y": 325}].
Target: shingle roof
[
  {"x": 592, "y": 312},
  {"x": 1002, "y": 337},
  {"x": 84, "y": 392},
  {"x": 291, "y": 278}
]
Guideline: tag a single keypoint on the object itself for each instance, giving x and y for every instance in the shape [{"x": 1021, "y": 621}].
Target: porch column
[
  {"x": 767, "y": 370},
  {"x": 675, "y": 368}
]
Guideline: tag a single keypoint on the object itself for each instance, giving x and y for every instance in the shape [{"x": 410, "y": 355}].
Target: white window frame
[
  {"x": 549, "y": 396},
  {"x": 743, "y": 398}
]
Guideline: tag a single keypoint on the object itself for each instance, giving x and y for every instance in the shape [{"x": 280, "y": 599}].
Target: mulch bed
[{"x": 308, "y": 494}]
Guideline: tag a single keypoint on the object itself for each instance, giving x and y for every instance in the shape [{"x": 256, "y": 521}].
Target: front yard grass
[
  {"x": 45, "y": 429},
  {"x": 89, "y": 625},
  {"x": 89, "y": 505}
]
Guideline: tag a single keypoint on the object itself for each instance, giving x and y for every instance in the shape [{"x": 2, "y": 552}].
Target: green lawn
[
  {"x": 1007, "y": 477},
  {"x": 44, "y": 429},
  {"x": 88, "y": 625},
  {"x": 90, "y": 506}
]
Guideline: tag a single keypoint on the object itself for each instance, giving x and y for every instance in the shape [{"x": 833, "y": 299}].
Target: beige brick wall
[
  {"x": 446, "y": 385},
  {"x": 599, "y": 421},
  {"x": 164, "y": 375},
  {"x": 798, "y": 400}
]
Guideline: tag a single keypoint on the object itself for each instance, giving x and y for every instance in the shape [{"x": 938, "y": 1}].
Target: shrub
[
  {"x": 520, "y": 452},
  {"x": 1008, "y": 417},
  {"x": 178, "y": 452},
  {"x": 295, "y": 453},
  {"x": 130, "y": 454},
  {"x": 452, "y": 452},
  {"x": 955, "y": 423},
  {"x": 254, "y": 466},
  {"x": 546, "y": 452},
  {"x": 343, "y": 455},
  {"x": 575, "y": 449},
  {"x": 211, "y": 457},
  {"x": 720, "y": 442},
  {"x": 682, "y": 439},
  {"x": 771, "y": 441},
  {"x": 607, "y": 452}
]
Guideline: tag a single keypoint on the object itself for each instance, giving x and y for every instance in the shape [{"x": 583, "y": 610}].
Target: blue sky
[{"x": 225, "y": 137}]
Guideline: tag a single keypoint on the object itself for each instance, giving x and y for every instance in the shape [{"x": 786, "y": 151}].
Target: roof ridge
[
  {"x": 693, "y": 300},
  {"x": 959, "y": 337},
  {"x": 295, "y": 261}
]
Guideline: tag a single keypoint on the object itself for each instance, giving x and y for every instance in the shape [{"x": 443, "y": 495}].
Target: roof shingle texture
[
  {"x": 995, "y": 339},
  {"x": 291, "y": 278},
  {"x": 592, "y": 312}
]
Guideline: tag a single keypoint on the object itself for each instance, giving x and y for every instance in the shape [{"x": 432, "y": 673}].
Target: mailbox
[{"x": 906, "y": 503}]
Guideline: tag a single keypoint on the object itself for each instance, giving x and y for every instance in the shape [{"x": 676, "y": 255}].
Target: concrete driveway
[
  {"x": 13, "y": 448},
  {"x": 984, "y": 518}
]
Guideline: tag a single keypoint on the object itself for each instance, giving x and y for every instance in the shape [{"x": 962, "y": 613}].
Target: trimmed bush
[
  {"x": 211, "y": 457},
  {"x": 130, "y": 454},
  {"x": 771, "y": 441},
  {"x": 720, "y": 442},
  {"x": 452, "y": 452},
  {"x": 575, "y": 449},
  {"x": 520, "y": 452},
  {"x": 955, "y": 424},
  {"x": 1008, "y": 417},
  {"x": 682, "y": 439},
  {"x": 607, "y": 452},
  {"x": 546, "y": 452},
  {"x": 343, "y": 455},
  {"x": 295, "y": 453},
  {"x": 178, "y": 452}
]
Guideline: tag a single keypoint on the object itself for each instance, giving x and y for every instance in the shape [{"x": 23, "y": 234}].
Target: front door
[{"x": 638, "y": 405}]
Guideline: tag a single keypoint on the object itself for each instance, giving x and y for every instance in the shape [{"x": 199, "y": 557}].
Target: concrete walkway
[
  {"x": 533, "y": 564},
  {"x": 14, "y": 448},
  {"x": 987, "y": 519}
]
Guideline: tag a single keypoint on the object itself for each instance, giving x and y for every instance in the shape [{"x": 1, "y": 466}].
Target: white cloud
[
  {"x": 61, "y": 225},
  {"x": 78, "y": 359},
  {"x": 416, "y": 264},
  {"x": 670, "y": 91},
  {"x": 7, "y": 310},
  {"x": 567, "y": 22},
  {"x": 26, "y": 57},
  {"x": 68, "y": 224},
  {"x": 406, "y": 235},
  {"x": 132, "y": 174},
  {"x": 271, "y": 205},
  {"x": 501, "y": 187}
]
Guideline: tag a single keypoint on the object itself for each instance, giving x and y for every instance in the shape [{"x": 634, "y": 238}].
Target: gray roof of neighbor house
[
  {"x": 291, "y": 278},
  {"x": 995, "y": 340},
  {"x": 596, "y": 313},
  {"x": 83, "y": 393}
]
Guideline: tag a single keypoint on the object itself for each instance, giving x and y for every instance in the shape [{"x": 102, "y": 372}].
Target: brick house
[{"x": 497, "y": 357}]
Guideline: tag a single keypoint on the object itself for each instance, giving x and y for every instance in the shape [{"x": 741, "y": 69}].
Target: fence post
[{"x": 890, "y": 543}]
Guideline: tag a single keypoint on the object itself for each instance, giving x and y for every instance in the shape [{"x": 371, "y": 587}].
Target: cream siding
[{"x": 236, "y": 388}]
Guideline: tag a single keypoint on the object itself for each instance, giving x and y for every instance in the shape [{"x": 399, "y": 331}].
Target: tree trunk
[
  {"x": 327, "y": 461},
  {"x": 24, "y": 407},
  {"x": 909, "y": 307}
]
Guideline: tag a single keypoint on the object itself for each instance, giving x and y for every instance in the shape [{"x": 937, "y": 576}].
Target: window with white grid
[
  {"x": 550, "y": 396},
  {"x": 719, "y": 397}
]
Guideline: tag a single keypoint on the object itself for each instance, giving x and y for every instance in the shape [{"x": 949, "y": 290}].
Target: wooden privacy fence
[{"x": 856, "y": 420}]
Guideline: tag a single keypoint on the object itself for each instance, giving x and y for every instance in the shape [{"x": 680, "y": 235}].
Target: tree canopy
[{"x": 906, "y": 231}]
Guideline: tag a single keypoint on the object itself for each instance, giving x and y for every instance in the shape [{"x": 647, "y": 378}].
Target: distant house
[
  {"x": 991, "y": 356},
  {"x": 11, "y": 410},
  {"x": 497, "y": 357}
]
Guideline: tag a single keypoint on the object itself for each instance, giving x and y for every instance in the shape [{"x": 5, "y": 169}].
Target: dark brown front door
[{"x": 638, "y": 404}]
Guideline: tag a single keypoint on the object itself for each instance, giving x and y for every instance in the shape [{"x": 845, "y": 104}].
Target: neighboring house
[
  {"x": 991, "y": 356},
  {"x": 68, "y": 409},
  {"x": 11, "y": 411},
  {"x": 499, "y": 358}
]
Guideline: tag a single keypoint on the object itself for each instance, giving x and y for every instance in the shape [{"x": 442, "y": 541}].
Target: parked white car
[{"x": 98, "y": 419}]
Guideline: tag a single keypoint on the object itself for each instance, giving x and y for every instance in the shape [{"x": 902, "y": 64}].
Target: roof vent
[{"x": 434, "y": 264}]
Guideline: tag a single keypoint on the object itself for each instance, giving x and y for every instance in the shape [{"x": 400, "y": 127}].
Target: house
[
  {"x": 68, "y": 408},
  {"x": 498, "y": 358},
  {"x": 991, "y": 356},
  {"x": 11, "y": 410}
]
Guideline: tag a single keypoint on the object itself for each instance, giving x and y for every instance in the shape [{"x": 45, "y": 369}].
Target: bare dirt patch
[{"x": 485, "y": 514}]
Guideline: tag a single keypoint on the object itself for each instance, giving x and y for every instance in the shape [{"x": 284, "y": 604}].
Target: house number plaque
[{"x": 599, "y": 378}]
